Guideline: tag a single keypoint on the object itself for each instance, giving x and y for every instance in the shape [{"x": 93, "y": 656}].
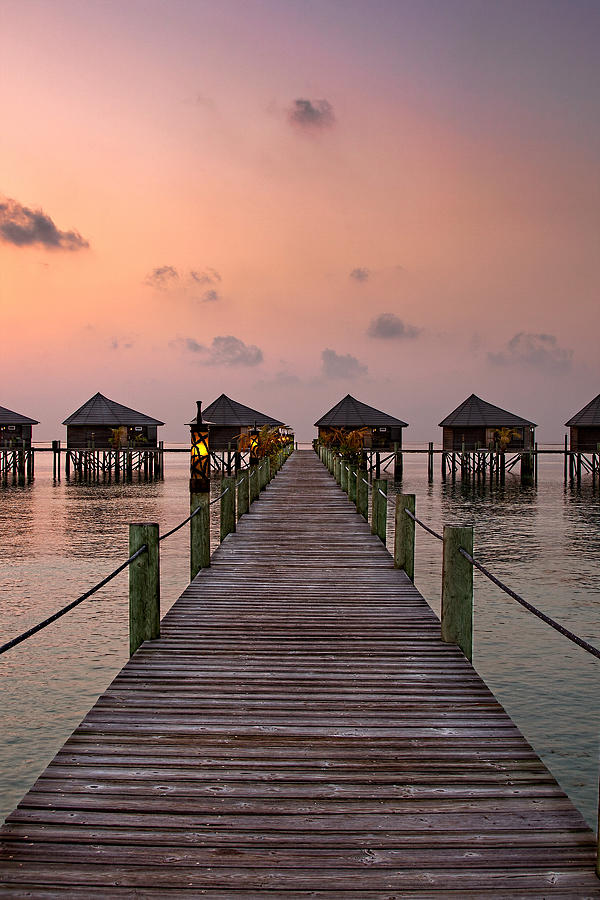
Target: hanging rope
[{"x": 72, "y": 605}]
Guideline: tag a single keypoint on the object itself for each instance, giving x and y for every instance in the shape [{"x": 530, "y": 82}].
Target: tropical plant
[
  {"x": 504, "y": 436},
  {"x": 349, "y": 443},
  {"x": 268, "y": 442},
  {"x": 118, "y": 437}
]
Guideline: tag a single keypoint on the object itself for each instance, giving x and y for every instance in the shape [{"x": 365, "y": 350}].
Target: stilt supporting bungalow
[
  {"x": 480, "y": 439},
  {"x": 16, "y": 452},
  {"x": 230, "y": 428},
  {"x": 584, "y": 442},
  {"x": 379, "y": 433},
  {"x": 107, "y": 440}
]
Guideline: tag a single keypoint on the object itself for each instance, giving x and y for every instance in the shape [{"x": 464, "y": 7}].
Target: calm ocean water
[{"x": 56, "y": 540}]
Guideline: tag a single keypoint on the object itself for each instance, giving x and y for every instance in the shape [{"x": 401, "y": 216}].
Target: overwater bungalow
[
  {"x": 478, "y": 424},
  {"x": 585, "y": 428},
  {"x": 228, "y": 419},
  {"x": 383, "y": 430},
  {"x": 103, "y": 424},
  {"x": 15, "y": 429}
]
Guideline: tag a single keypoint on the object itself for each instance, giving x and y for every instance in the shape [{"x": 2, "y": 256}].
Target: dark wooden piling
[
  {"x": 199, "y": 532},
  {"x": 379, "y": 508},
  {"x": 404, "y": 535},
  {"x": 144, "y": 585},
  {"x": 227, "y": 518},
  {"x": 243, "y": 493},
  {"x": 457, "y": 588}
]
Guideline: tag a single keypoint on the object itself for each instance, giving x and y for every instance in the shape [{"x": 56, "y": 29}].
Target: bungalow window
[
  {"x": 138, "y": 427},
  {"x": 12, "y": 427}
]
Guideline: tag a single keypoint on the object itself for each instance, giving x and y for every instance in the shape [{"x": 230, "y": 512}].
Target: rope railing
[
  {"x": 61, "y": 612},
  {"x": 423, "y": 525},
  {"x": 13, "y": 642},
  {"x": 530, "y": 607}
]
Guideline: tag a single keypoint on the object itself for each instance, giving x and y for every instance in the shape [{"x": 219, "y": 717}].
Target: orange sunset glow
[{"x": 290, "y": 201}]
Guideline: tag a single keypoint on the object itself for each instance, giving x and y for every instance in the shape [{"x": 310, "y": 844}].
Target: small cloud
[
  {"x": 208, "y": 276},
  {"x": 121, "y": 343},
  {"x": 389, "y": 326},
  {"x": 311, "y": 115},
  {"x": 24, "y": 227},
  {"x": 162, "y": 278},
  {"x": 360, "y": 274},
  {"x": 539, "y": 351},
  {"x": 226, "y": 350},
  {"x": 337, "y": 365},
  {"x": 210, "y": 296}
]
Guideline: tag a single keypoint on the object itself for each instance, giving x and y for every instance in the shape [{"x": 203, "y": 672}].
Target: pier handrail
[
  {"x": 594, "y": 651},
  {"x": 65, "y": 609},
  {"x": 61, "y": 612}
]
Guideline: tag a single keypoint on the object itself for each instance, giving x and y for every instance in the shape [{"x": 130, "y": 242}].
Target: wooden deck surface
[{"x": 298, "y": 731}]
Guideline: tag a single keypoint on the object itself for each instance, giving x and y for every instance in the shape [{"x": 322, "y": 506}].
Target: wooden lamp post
[{"x": 199, "y": 494}]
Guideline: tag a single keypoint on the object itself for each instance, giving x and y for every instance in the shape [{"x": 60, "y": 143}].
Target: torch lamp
[
  {"x": 200, "y": 455},
  {"x": 253, "y": 447}
]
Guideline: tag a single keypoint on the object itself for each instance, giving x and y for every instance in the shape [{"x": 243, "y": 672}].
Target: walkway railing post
[
  {"x": 242, "y": 489},
  {"x": 404, "y": 535},
  {"x": 352, "y": 484},
  {"x": 227, "y": 523},
  {"x": 343, "y": 474},
  {"x": 199, "y": 532},
  {"x": 379, "y": 514},
  {"x": 144, "y": 585},
  {"x": 254, "y": 485},
  {"x": 457, "y": 588},
  {"x": 337, "y": 468},
  {"x": 362, "y": 494}
]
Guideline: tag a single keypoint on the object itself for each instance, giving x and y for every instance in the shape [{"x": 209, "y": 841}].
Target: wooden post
[
  {"x": 362, "y": 494},
  {"x": 457, "y": 588},
  {"x": 379, "y": 513},
  {"x": 144, "y": 585},
  {"x": 404, "y": 536},
  {"x": 199, "y": 532},
  {"x": 337, "y": 468},
  {"x": 227, "y": 524},
  {"x": 430, "y": 462},
  {"x": 344, "y": 475},
  {"x": 566, "y": 457},
  {"x": 243, "y": 498},
  {"x": 352, "y": 484},
  {"x": 254, "y": 486},
  {"x": 377, "y": 465},
  {"x": 443, "y": 466}
]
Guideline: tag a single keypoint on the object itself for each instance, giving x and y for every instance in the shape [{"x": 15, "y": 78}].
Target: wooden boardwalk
[{"x": 298, "y": 731}]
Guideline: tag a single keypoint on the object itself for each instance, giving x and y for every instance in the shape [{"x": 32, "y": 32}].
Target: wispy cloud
[
  {"x": 225, "y": 350},
  {"x": 168, "y": 278},
  {"x": 539, "y": 351},
  {"x": 389, "y": 326},
  {"x": 162, "y": 278},
  {"x": 25, "y": 227},
  {"x": 311, "y": 115},
  {"x": 338, "y": 365},
  {"x": 360, "y": 274}
]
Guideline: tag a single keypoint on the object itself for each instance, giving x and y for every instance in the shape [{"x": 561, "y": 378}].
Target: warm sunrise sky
[{"x": 289, "y": 201}]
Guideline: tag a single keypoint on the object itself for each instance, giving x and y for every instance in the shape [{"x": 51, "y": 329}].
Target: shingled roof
[
  {"x": 99, "y": 410},
  {"x": 350, "y": 412},
  {"x": 225, "y": 411},
  {"x": 475, "y": 412},
  {"x": 8, "y": 417},
  {"x": 589, "y": 415}
]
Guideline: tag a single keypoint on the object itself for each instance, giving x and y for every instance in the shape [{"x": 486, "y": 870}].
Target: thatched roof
[
  {"x": 99, "y": 410},
  {"x": 475, "y": 412},
  {"x": 350, "y": 412},
  {"x": 228, "y": 412},
  {"x": 8, "y": 417},
  {"x": 589, "y": 415}
]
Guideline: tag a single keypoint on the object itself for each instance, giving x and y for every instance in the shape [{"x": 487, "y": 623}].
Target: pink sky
[{"x": 228, "y": 166}]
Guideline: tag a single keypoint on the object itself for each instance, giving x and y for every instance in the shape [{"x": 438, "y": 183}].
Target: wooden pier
[{"x": 299, "y": 730}]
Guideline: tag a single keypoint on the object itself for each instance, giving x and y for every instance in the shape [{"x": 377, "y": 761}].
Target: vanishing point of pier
[{"x": 298, "y": 730}]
